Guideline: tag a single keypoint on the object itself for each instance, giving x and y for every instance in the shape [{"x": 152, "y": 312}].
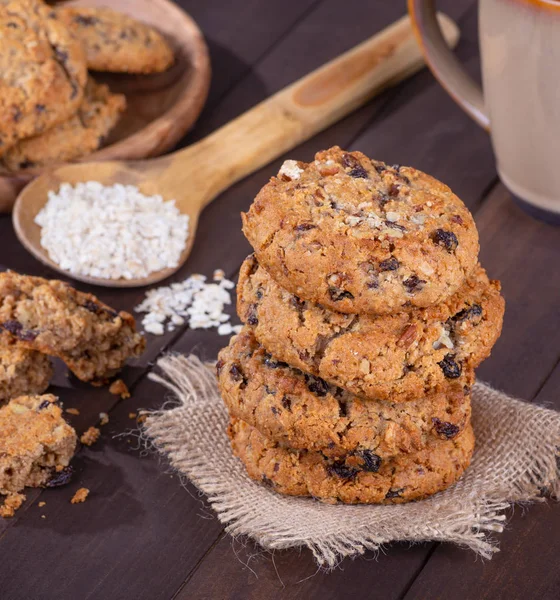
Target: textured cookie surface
[
  {"x": 398, "y": 357},
  {"x": 116, "y": 42},
  {"x": 302, "y": 411},
  {"x": 42, "y": 71},
  {"x": 53, "y": 318},
  {"x": 353, "y": 479},
  {"x": 80, "y": 135},
  {"x": 22, "y": 371},
  {"x": 36, "y": 443},
  {"x": 358, "y": 236}
]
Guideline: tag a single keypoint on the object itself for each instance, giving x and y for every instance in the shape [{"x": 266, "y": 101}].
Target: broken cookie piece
[
  {"x": 22, "y": 371},
  {"x": 36, "y": 443},
  {"x": 55, "y": 319}
]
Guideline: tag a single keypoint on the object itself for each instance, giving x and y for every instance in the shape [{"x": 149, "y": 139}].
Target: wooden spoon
[{"x": 196, "y": 175}]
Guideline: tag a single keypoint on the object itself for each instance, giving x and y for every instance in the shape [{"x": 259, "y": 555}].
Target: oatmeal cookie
[
  {"x": 116, "y": 42},
  {"x": 304, "y": 412},
  {"x": 53, "y": 318},
  {"x": 358, "y": 236},
  {"x": 22, "y": 371},
  {"x": 82, "y": 134},
  {"x": 355, "y": 478},
  {"x": 399, "y": 357},
  {"x": 42, "y": 71},
  {"x": 36, "y": 444}
]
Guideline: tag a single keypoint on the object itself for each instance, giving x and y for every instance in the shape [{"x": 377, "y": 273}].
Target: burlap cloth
[{"x": 515, "y": 461}]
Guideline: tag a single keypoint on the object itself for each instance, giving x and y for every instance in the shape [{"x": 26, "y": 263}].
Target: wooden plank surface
[{"x": 142, "y": 535}]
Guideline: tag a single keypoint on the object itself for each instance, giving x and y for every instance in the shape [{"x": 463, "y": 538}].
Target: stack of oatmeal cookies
[{"x": 366, "y": 313}]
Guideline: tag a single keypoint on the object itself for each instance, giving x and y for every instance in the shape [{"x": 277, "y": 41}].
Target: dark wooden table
[{"x": 141, "y": 535}]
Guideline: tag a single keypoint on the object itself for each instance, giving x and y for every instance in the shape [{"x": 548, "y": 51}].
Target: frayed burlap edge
[{"x": 515, "y": 461}]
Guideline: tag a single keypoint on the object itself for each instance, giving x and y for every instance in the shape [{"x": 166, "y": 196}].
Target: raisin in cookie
[
  {"x": 22, "y": 371},
  {"x": 304, "y": 412},
  {"x": 360, "y": 237},
  {"x": 399, "y": 357},
  {"x": 42, "y": 71},
  {"x": 53, "y": 318},
  {"x": 82, "y": 134},
  {"x": 116, "y": 42},
  {"x": 36, "y": 444},
  {"x": 355, "y": 478}
]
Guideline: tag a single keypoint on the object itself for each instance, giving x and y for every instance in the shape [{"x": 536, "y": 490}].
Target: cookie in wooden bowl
[{"x": 161, "y": 107}]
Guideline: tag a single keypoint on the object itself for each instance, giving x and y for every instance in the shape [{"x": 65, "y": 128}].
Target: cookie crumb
[
  {"x": 90, "y": 436},
  {"x": 132, "y": 415},
  {"x": 11, "y": 504},
  {"x": 72, "y": 411},
  {"x": 41, "y": 504},
  {"x": 80, "y": 496},
  {"x": 118, "y": 388},
  {"x": 103, "y": 418}
]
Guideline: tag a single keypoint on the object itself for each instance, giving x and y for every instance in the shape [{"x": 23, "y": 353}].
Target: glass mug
[{"x": 520, "y": 107}]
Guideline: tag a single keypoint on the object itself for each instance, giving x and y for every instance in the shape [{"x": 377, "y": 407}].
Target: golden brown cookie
[
  {"x": 22, "y": 371},
  {"x": 358, "y": 236},
  {"x": 397, "y": 357},
  {"x": 353, "y": 479},
  {"x": 304, "y": 412},
  {"x": 82, "y": 134},
  {"x": 53, "y": 318},
  {"x": 36, "y": 444},
  {"x": 116, "y": 42},
  {"x": 42, "y": 71}
]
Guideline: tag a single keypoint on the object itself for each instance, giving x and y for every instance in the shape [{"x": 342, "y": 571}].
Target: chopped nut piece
[
  {"x": 290, "y": 169},
  {"x": 90, "y": 436},
  {"x": 72, "y": 411},
  {"x": 365, "y": 366},
  {"x": 80, "y": 496},
  {"x": 11, "y": 504},
  {"x": 118, "y": 388}
]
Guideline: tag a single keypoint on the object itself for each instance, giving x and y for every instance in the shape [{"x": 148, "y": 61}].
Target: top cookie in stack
[
  {"x": 366, "y": 314},
  {"x": 360, "y": 237}
]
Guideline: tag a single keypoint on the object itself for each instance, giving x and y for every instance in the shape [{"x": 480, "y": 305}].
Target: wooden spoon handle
[{"x": 308, "y": 106}]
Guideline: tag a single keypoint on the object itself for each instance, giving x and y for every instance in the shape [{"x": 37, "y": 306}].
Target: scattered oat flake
[
  {"x": 194, "y": 302},
  {"x": 41, "y": 504},
  {"x": 73, "y": 411},
  {"x": 118, "y": 388},
  {"x": 11, "y": 504},
  {"x": 103, "y": 418},
  {"x": 111, "y": 232},
  {"x": 80, "y": 496},
  {"x": 43, "y": 516},
  {"x": 132, "y": 415},
  {"x": 89, "y": 437}
]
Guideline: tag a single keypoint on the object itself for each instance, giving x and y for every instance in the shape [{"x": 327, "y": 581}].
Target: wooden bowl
[{"x": 161, "y": 108}]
